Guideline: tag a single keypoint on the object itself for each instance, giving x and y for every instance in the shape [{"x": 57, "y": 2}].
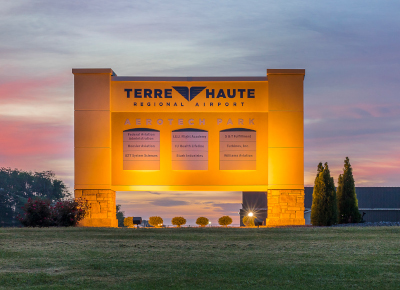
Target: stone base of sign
[
  {"x": 285, "y": 208},
  {"x": 102, "y": 211}
]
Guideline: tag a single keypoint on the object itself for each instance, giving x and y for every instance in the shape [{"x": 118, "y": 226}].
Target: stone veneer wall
[
  {"x": 102, "y": 211},
  {"x": 285, "y": 207}
]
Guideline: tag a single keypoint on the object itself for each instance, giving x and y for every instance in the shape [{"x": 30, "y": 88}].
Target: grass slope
[{"x": 200, "y": 258}]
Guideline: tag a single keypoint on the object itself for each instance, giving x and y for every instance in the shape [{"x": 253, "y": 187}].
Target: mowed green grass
[{"x": 200, "y": 258}]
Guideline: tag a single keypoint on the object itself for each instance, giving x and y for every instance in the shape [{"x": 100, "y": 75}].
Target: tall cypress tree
[
  {"x": 347, "y": 197},
  {"x": 324, "y": 205},
  {"x": 317, "y": 197}
]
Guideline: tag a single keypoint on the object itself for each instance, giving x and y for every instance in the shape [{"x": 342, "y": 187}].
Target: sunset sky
[{"x": 350, "y": 50}]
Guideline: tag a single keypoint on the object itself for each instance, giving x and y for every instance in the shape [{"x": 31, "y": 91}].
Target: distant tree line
[
  {"x": 17, "y": 186},
  {"x": 120, "y": 216}
]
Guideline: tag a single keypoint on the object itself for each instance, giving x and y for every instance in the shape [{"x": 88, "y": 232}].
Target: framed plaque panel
[
  {"x": 189, "y": 149},
  {"x": 141, "y": 149},
  {"x": 237, "y": 149}
]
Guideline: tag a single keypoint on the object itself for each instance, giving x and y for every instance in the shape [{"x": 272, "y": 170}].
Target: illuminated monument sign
[{"x": 189, "y": 134}]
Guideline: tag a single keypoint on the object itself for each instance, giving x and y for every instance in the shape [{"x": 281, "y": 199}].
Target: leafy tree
[
  {"x": 324, "y": 205},
  {"x": 248, "y": 221},
  {"x": 17, "y": 186},
  {"x": 156, "y": 221},
  {"x": 347, "y": 197},
  {"x": 178, "y": 221},
  {"x": 128, "y": 222},
  {"x": 202, "y": 221},
  {"x": 225, "y": 220},
  {"x": 120, "y": 216}
]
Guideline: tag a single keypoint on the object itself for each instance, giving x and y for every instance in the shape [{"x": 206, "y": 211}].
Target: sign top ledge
[
  {"x": 142, "y": 78},
  {"x": 286, "y": 72},
  {"x": 188, "y": 79},
  {"x": 93, "y": 71}
]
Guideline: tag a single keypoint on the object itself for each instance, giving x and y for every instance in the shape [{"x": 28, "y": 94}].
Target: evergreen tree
[
  {"x": 324, "y": 205},
  {"x": 347, "y": 197}
]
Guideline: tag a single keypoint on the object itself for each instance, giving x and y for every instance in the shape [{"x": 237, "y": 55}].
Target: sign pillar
[
  {"x": 285, "y": 147},
  {"x": 92, "y": 141}
]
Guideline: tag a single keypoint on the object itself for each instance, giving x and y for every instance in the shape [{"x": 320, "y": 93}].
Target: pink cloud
[
  {"x": 37, "y": 146},
  {"x": 22, "y": 138},
  {"x": 24, "y": 89},
  {"x": 380, "y": 169},
  {"x": 352, "y": 111}
]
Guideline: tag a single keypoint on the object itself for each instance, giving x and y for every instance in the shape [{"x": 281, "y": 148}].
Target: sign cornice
[{"x": 187, "y": 79}]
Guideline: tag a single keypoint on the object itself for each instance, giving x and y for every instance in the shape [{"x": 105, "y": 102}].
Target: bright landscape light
[{"x": 250, "y": 214}]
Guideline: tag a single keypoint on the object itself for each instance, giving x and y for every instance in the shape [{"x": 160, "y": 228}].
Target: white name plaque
[
  {"x": 189, "y": 149},
  {"x": 141, "y": 149},
  {"x": 237, "y": 149}
]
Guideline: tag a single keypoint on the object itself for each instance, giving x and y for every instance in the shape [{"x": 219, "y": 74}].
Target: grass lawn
[{"x": 200, "y": 258}]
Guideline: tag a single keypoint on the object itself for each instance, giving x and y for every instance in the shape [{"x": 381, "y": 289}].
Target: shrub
[
  {"x": 156, "y": 221},
  {"x": 40, "y": 213},
  {"x": 248, "y": 221},
  {"x": 324, "y": 204},
  {"x": 68, "y": 213},
  {"x": 37, "y": 213},
  {"x": 128, "y": 222},
  {"x": 225, "y": 220},
  {"x": 202, "y": 221},
  {"x": 347, "y": 197},
  {"x": 178, "y": 221}
]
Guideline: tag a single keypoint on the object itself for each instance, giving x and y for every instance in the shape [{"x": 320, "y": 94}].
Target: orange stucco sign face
[
  {"x": 189, "y": 96},
  {"x": 134, "y": 133},
  {"x": 189, "y": 134}
]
